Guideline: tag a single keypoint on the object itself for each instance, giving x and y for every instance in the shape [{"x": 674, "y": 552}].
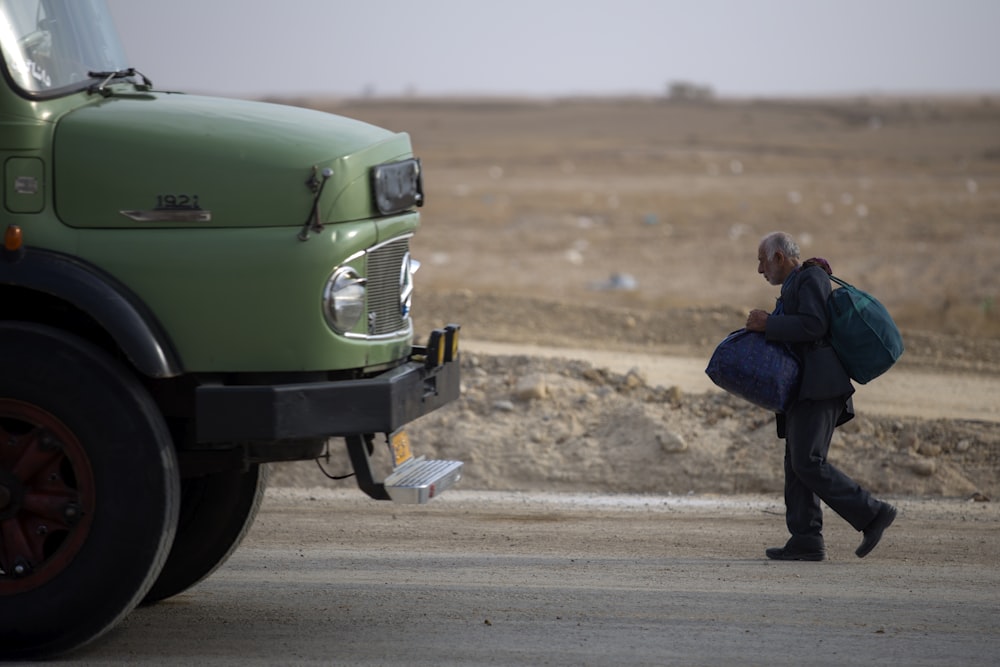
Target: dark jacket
[{"x": 804, "y": 323}]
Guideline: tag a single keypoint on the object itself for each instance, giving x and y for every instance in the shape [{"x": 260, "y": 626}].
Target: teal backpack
[{"x": 862, "y": 332}]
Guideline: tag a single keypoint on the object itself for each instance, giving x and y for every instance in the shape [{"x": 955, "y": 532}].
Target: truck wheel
[
  {"x": 216, "y": 513},
  {"x": 89, "y": 491}
]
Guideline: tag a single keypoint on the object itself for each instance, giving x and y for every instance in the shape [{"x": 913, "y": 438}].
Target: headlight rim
[{"x": 342, "y": 311}]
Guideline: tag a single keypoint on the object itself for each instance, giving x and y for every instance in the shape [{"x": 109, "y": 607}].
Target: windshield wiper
[{"x": 108, "y": 77}]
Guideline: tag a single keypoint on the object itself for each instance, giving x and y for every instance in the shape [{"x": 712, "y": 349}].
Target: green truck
[{"x": 190, "y": 288}]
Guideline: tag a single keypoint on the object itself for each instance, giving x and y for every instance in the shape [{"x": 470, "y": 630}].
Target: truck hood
[{"x": 172, "y": 160}]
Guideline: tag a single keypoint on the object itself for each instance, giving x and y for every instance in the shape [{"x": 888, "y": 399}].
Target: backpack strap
[{"x": 842, "y": 283}]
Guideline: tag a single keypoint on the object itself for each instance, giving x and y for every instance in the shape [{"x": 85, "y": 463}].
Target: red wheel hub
[{"x": 47, "y": 497}]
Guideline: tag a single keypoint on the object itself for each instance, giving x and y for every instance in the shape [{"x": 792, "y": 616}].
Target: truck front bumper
[{"x": 380, "y": 404}]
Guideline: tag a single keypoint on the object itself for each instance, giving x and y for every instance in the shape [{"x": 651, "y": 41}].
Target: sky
[{"x": 553, "y": 48}]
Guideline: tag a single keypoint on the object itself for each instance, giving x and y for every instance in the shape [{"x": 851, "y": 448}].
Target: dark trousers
[{"x": 810, "y": 478}]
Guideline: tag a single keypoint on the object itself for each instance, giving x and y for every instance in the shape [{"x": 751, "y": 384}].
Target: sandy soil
[{"x": 601, "y": 229}]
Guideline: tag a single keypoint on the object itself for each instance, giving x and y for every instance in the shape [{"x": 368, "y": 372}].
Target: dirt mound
[{"x": 526, "y": 423}]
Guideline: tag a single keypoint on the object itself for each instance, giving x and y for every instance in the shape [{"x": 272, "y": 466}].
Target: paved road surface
[{"x": 480, "y": 578}]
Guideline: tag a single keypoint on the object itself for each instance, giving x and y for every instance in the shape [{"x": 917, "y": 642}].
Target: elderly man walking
[{"x": 823, "y": 403}]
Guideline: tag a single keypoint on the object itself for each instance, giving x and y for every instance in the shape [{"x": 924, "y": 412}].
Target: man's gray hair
[{"x": 780, "y": 242}]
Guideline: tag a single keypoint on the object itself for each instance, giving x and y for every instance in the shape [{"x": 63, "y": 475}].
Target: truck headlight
[
  {"x": 397, "y": 186},
  {"x": 344, "y": 299},
  {"x": 408, "y": 267}
]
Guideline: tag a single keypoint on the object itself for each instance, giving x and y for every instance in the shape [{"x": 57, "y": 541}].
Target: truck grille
[{"x": 385, "y": 264}]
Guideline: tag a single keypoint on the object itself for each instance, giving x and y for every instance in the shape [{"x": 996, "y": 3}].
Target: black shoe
[
  {"x": 873, "y": 533},
  {"x": 786, "y": 553}
]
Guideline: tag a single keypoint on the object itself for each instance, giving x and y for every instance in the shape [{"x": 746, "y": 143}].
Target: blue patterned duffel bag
[{"x": 747, "y": 365}]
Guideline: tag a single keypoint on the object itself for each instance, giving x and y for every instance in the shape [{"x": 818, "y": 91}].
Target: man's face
[{"x": 772, "y": 269}]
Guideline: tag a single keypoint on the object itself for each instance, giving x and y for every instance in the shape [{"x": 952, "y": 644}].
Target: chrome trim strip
[
  {"x": 394, "y": 239},
  {"x": 362, "y": 253},
  {"x": 401, "y": 333},
  {"x": 169, "y": 215},
  {"x": 357, "y": 255}
]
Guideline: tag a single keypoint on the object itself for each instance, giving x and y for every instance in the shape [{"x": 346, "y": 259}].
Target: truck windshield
[{"x": 51, "y": 46}]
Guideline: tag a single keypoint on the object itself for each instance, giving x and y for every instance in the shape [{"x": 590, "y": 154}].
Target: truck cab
[{"x": 190, "y": 288}]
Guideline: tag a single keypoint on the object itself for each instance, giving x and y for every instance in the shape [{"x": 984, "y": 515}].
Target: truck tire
[
  {"x": 89, "y": 491},
  {"x": 217, "y": 512}
]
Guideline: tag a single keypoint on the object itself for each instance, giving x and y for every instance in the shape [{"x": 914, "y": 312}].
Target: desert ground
[{"x": 617, "y": 227}]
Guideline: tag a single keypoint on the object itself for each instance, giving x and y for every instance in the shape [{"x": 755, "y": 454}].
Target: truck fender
[{"x": 100, "y": 296}]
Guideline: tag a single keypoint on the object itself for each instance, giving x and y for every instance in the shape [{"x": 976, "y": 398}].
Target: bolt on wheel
[{"x": 46, "y": 496}]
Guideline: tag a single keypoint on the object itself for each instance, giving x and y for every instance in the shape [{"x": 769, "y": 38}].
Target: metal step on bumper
[
  {"x": 419, "y": 480},
  {"x": 412, "y": 480}
]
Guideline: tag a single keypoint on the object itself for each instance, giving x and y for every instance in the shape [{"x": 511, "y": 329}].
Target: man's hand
[{"x": 757, "y": 320}]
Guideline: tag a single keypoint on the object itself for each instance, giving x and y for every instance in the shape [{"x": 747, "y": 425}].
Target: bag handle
[{"x": 842, "y": 283}]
